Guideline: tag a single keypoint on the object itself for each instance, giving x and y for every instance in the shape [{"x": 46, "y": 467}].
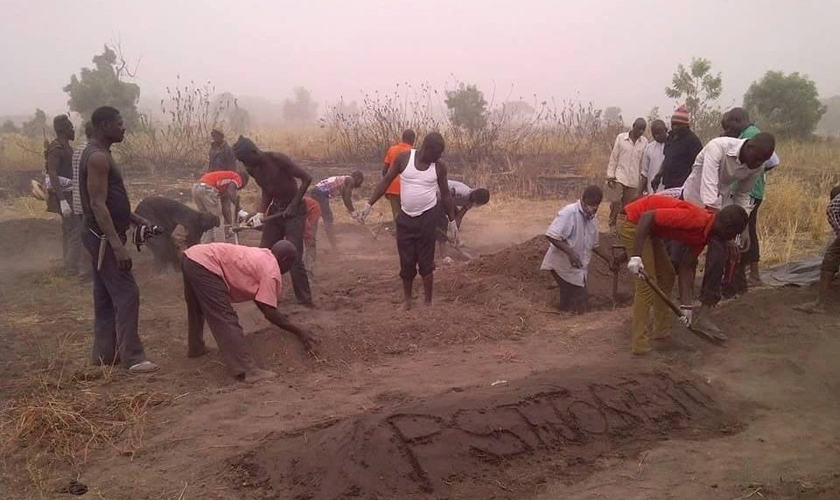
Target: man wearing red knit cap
[{"x": 681, "y": 148}]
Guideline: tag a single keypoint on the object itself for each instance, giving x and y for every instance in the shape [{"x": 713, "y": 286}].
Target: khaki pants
[
  {"x": 660, "y": 271},
  {"x": 619, "y": 196},
  {"x": 207, "y": 200}
]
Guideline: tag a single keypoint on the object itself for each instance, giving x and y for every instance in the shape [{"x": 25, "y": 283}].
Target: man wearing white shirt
[
  {"x": 624, "y": 168},
  {"x": 720, "y": 164},
  {"x": 573, "y": 236},
  {"x": 653, "y": 156},
  {"x": 712, "y": 185}
]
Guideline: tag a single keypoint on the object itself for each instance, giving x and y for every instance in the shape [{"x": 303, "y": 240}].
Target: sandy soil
[{"x": 489, "y": 394}]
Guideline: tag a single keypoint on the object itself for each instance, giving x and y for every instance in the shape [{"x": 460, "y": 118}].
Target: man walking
[
  {"x": 283, "y": 184},
  {"x": 831, "y": 260},
  {"x": 107, "y": 217},
  {"x": 624, "y": 168},
  {"x": 217, "y": 275},
  {"x": 573, "y": 236},
  {"x": 59, "y": 183},
  {"x": 421, "y": 174},
  {"x": 213, "y": 191},
  {"x": 653, "y": 157},
  {"x": 331, "y": 187},
  {"x": 646, "y": 223},
  {"x": 221, "y": 154},
  {"x": 681, "y": 149},
  {"x": 392, "y": 194}
]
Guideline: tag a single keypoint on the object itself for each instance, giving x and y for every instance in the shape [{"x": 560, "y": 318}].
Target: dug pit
[{"x": 488, "y": 442}]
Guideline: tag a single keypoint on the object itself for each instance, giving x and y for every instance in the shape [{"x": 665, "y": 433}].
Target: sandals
[{"x": 143, "y": 367}]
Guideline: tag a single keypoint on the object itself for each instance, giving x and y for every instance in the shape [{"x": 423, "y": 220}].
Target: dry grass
[{"x": 55, "y": 413}]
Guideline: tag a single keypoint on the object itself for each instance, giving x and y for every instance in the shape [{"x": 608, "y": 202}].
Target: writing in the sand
[{"x": 544, "y": 421}]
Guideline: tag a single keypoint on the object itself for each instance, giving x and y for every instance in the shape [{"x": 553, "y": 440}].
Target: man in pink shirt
[{"x": 217, "y": 275}]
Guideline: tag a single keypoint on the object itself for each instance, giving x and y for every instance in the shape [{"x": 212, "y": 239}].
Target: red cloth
[
  {"x": 674, "y": 219},
  {"x": 313, "y": 213},
  {"x": 219, "y": 179}
]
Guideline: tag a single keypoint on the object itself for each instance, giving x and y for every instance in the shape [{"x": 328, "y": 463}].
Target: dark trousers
[
  {"x": 737, "y": 283},
  {"x": 416, "y": 242},
  {"x": 323, "y": 200},
  {"x": 116, "y": 306},
  {"x": 71, "y": 239},
  {"x": 207, "y": 298},
  {"x": 291, "y": 229},
  {"x": 717, "y": 259},
  {"x": 573, "y": 298}
]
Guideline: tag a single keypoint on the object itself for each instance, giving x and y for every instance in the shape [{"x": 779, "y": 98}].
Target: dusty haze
[{"x": 612, "y": 53}]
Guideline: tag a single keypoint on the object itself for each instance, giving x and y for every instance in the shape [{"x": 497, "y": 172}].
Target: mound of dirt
[
  {"x": 517, "y": 268},
  {"x": 491, "y": 442}
]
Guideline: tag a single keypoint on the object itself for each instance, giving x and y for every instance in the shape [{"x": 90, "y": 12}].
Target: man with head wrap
[{"x": 277, "y": 176}]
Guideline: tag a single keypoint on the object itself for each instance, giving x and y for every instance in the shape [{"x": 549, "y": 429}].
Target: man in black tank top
[{"x": 107, "y": 216}]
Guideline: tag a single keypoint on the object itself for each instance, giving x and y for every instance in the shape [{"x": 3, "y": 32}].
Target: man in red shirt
[
  {"x": 213, "y": 191},
  {"x": 216, "y": 275},
  {"x": 642, "y": 228},
  {"x": 392, "y": 193}
]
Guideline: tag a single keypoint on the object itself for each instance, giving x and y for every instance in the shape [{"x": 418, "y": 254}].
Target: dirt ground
[{"x": 491, "y": 393}]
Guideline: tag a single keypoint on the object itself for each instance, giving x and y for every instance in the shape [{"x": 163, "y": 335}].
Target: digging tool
[
  {"x": 614, "y": 270},
  {"x": 103, "y": 244},
  {"x": 675, "y": 308}
]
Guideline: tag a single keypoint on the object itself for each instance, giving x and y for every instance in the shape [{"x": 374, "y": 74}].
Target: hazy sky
[{"x": 612, "y": 53}]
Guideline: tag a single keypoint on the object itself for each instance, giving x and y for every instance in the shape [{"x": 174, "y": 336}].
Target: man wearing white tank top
[{"x": 422, "y": 174}]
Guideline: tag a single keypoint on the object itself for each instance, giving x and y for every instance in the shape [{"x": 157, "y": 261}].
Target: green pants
[{"x": 660, "y": 271}]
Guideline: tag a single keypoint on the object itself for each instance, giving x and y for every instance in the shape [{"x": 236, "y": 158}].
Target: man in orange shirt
[
  {"x": 392, "y": 193},
  {"x": 217, "y": 275},
  {"x": 642, "y": 228},
  {"x": 211, "y": 193}
]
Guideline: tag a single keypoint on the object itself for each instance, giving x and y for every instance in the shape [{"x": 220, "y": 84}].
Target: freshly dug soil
[{"x": 488, "y": 442}]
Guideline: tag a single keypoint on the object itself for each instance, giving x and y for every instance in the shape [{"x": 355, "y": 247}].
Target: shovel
[{"x": 676, "y": 309}]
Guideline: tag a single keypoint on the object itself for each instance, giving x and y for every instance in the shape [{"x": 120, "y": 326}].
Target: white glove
[
  {"x": 452, "y": 233},
  {"x": 65, "y": 209},
  {"x": 363, "y": 213},
  {"x": 635, "y": 265},
  {"x": 687, "y": 316},
  {"x": 256, "y": 221},
  {"x": 242, "y": 215}
]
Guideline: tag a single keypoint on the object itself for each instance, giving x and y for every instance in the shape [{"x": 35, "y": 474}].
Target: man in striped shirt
[
  {"x": 332, "y": 187},
  {"x": 76, "y": 238},
  {"x": 831, "y": 261}
]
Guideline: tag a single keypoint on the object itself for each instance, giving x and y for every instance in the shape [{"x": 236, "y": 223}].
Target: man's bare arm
[
  {"x": 445, "y": 193},
  {"x": 279, "y": 320},
  {"x": 347, "y": 194},
  {"x": 97, "y": 184},
  {"x": 396, "y": 169},
  {"x": 685, "y": 276},
  {"x": 265, "y": 201},
  {"x": 646, "y": 222},
  {"x": 53, "y": 159},
  {"x": 460, "y": 213}
]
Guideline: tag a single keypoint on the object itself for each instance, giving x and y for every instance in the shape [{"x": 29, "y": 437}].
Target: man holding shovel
[
  {"x": 283, "y": 185},
  {"x": 642, "y": 228}
]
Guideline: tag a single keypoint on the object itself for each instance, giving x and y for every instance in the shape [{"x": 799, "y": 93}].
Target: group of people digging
[
  {"x": 217, "y": 274},
  {"x": 709, "y": 200},
  {"x": 663, "y": 232}
]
